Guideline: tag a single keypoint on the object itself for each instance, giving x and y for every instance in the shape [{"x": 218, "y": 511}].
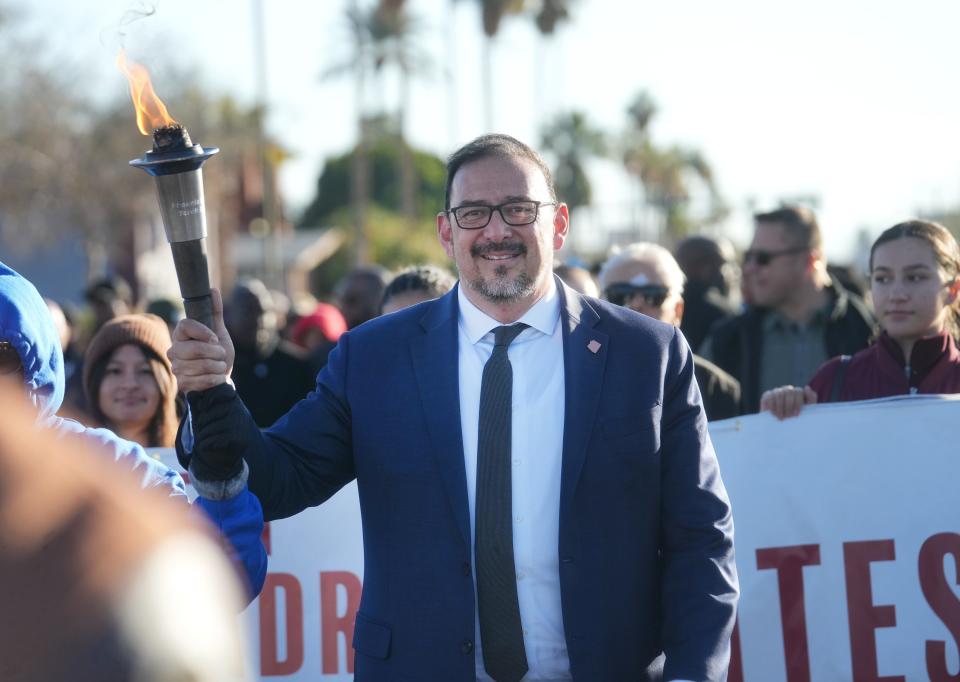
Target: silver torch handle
[{"x": 184, "y": 220}]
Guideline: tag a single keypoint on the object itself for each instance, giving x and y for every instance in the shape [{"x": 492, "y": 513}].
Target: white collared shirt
[{"x": 536, "y": 356}]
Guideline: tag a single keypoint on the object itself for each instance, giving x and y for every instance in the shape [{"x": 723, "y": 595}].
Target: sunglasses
[
  {"x": 622, "y": 293},
  {"x": 762, "y": 258},
  {"x": 9, "y": 358}
]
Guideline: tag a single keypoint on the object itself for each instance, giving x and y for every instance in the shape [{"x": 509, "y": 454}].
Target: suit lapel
[
  {"x": 584, "y": 358},
  {"x": 436, "y": 362}
]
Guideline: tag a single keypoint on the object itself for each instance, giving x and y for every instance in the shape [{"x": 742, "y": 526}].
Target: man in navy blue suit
[{"x": 540, "y": 497}]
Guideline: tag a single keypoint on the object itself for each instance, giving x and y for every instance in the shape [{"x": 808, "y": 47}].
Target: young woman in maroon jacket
[{"x": 915, "y": 282}]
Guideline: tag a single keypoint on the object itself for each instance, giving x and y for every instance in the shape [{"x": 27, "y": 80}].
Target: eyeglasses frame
[
  {"x": 638, "y": 290},
  {"x": 763, "y": 258},
  {"x": 497, "y": 208}
]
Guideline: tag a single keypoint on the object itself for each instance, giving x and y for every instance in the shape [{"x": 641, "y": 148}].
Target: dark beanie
[{"x": 144, "y": 330}]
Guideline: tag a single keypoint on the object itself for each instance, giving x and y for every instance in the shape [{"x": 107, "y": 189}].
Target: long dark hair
[
  {"x": 945, "y": 251},
  {"x": 162, "y": 430}
]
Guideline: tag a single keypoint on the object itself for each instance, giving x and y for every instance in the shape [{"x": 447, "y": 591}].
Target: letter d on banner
[{"x": 270, "y": 663}]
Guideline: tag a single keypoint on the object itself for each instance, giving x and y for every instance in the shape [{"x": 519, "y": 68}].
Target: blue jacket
[
  {"x": 647, "y": 578},
  {"x": 26, "y": 324}
]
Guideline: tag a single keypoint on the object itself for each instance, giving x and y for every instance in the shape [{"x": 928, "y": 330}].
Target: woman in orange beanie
[{"x": 128, "y": 381}]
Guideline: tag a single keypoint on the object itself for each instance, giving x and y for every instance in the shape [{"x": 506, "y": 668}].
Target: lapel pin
[{"x": 593, "y": 346}]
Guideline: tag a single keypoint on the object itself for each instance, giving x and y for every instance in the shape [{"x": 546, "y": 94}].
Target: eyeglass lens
[
  {"x": 623, "y": 294},
  {"x": 514, "y": 213},
  {"x": 761, "y": 258}
]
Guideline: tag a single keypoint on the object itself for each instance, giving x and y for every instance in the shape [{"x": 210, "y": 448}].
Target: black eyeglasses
[
  {"x": 762, "y": 258},
  {"x": 514, "y": 213},
  {"x": 622, "y": 293},
  {"x": 9, "y": 358}
]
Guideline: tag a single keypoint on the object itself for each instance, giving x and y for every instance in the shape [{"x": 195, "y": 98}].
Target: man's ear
[
  {"x": 445, "y": 233},
  {"x": 561, "y": 225},
  {"x": 678, "y": 312},
  {"x": 815, "y": 260}
]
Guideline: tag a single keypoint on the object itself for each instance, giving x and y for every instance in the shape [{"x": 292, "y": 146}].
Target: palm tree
[
  {"x": 393, "y": 31},
  {"x": 641, "y": 111},
  {"x": 357, "y": 64},
  {"x": 381, "y": 37},
  {"x": 550, "y": 14},
  {"x": 572, "y": 141},
  {"x": 493, "y": 12},
  {"x": 667, "y": 175}
]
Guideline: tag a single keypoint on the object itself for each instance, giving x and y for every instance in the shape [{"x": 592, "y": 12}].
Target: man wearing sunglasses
[
  {"x": 540, "y": 497},
  {"x": 646, "y": 278},
  {"x": 799, "y": 317}
]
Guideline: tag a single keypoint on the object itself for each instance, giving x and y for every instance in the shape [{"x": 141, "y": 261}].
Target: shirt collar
[
  {"x": 544, "y": 315},
  {"x": 926, "y": 352},
  {"x": 775, "y": 321}
]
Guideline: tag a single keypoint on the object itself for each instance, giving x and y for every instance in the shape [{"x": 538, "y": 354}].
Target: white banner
[
  {"x": 847, "y": 537},
  {"x": 848, "y": 541}
]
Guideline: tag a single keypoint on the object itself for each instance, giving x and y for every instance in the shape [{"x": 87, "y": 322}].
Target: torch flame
[{"x": 151, "y": 111}]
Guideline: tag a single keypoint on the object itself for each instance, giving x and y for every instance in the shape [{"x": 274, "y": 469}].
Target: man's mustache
[{"x": 509, "y": 248}]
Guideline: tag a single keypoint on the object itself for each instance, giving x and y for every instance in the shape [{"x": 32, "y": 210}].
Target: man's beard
[{"x": 501, "y": 289}]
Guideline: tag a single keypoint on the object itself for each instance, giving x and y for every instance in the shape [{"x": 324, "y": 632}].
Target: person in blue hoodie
[{"x": 30, "y": 346}]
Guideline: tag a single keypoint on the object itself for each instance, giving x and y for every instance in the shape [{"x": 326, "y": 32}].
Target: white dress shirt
[{"x": 536, "y": 356}]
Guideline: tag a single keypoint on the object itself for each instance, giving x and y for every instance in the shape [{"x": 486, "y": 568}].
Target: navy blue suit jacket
[{"x": 646, "y": 536}]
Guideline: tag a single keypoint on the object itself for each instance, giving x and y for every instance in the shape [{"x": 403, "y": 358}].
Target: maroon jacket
[{"x": 881, "y": 370}]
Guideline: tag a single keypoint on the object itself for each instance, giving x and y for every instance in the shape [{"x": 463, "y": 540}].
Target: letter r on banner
[{"x": 331, "y": 625}]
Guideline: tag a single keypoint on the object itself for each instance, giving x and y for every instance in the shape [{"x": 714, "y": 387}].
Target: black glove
[{"x": 219, "y": 421}]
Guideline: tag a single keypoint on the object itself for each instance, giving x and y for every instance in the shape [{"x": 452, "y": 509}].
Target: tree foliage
[
  {"x": 333, "y": 186},
  {"x": 551, "y": 13},
  {"x": 393, "y": 238},
  {"x": 573, "y": 140},
  {"x": 57, "y": 150},
  {"x": 669, "y": 175},
  {"x": 64, "y": 154},
  {"x": 393, "y": 241}
]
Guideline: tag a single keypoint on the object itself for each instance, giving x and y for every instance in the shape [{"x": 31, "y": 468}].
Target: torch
[{"x": 174, "y": 162}]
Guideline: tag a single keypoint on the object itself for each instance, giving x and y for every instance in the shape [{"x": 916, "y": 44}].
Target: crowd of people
[
  {"x": 768, "y": 332},
  {"x": 399, "y": 366}
]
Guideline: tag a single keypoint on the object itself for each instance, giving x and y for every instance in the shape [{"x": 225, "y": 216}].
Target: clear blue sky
[{"x": 854, "y": 102}]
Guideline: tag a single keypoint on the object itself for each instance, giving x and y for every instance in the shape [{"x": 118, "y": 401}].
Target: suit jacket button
[
  {"x": 466, "y": 568},
  {"x": 466, "y": 647}
]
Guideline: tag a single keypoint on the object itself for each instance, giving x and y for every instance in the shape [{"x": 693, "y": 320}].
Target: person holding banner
[
  {"x": 539, "y": 493},
  {"x": 915, "y": 282},
  {"x": 798, "y": 317}
]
